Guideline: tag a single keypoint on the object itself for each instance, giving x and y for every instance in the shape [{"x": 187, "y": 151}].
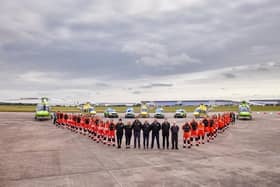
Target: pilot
[
  {"x": 128, "y": 134},
  {"x": 119, "y": 132},
  {"x": 146, "y": 127},
  {"x": 137, "y": 126},
  {"x": 155, "y": 127},
  {"x": 174, "y": 135},
  {"x": 165, "y": 133}
]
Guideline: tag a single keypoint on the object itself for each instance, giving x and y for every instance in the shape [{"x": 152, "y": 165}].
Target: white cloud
[
  {"x": 155, "y": 54},
  {"x": 143, "y": 48},
  {"x": 73, "y": 47},
  {"x": 166, "y": 60}
]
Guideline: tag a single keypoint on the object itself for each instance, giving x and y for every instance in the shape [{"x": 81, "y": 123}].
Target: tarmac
[{"x": 36, "y": 153}]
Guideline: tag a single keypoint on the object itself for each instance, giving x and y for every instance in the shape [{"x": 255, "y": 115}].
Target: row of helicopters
[
  {"x": 144, "y": 112},
  {"x": 43, "y": 111}
]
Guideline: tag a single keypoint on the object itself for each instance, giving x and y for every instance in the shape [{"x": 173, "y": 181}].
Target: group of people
[{"x": 195, "y": 132}]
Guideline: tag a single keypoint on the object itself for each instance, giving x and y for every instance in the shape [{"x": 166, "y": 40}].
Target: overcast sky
[{"x": 131, "y": 50}]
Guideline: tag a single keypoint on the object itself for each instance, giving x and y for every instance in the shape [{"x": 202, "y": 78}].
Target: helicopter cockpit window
[
  {"x": 42, "y": 108},
  {"x": 244, "y": 109}
]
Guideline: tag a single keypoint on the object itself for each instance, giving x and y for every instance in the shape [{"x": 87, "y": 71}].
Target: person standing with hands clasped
[
  {"x": 128, "y": 134},
  {"x": 146, "y": 133},
  {"x": 137, "y": 126},
  {"x": 119, "y": 130},
  {"x": 174, "y": 135},
  {"x": 165, "y": 133},
  {"x": 155, "y": 127}
]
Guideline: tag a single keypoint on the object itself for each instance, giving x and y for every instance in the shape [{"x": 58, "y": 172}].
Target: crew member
[
  {"x": 79, "y": 127},
  {"x": 221, "y": 123},
  {"x": 216, "y": 125},
  {"x": 99, "y": 131},
  {"x": 194, "y": 132},
  {"x": 74, "y": 121},
  {"x": 232, "y": 117},
  {"x": 146, "y": 128},
  {"x": 90, "y": 127},
  {"x": 106, "y": 131},
  {"x": 174, "y": 135},
  {"x": 201, "y": 132},
  {"x": 165, "y": 133},
  {"x": 86, "y": 125},
  {"x": 155, "y": 127},
  {"x": 61, "y": 119},
  {"x": 137, "y": 126},
  {"x": 205, "y": 122},
  {"x": 96, "y": 130},
  {"x": 187, "y": 134},
  {"x": 111, "y": 137},
  {"x": 128, "y": 134},
  {"x": 65, "y": 118},
  {"x": 212, "y": 128},
  {"x": 119, "y": 131},
  {"x": 57, "y": 118},
  {"x": 54, "y": 118}
]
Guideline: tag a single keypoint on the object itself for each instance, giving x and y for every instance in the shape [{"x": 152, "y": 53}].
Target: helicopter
[{"x": 43, "y": 110}]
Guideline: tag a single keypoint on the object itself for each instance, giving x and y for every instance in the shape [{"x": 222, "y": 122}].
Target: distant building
[
  {"x": 266, "y": 102},
  {"x": 192, "y": 102}
]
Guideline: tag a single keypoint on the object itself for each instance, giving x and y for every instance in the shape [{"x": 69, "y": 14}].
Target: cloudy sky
[{"x": 131, "y": 50}]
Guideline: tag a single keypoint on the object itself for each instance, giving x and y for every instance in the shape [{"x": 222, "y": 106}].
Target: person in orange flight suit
[
  {"x": 111, "y": 137},
  {"x": 106, "y": 132},
  {"x": 216, "y": 126},
  {"x": 212, "y": 128},
  {"x": 186, "y": 134},
  {"x": 65, "y": 119},
  {"x": 74, "y": 123},
  {"x": 228, "y": 119},
  {"x": 95, "y": 129},
  {"x": 205, "y": 122},
  {"x": 86, "y": 125},
  {"x": 100, "y": 131},
  {"x": 201, "y": 132},
  {"x": 91, "y": 126},
  {"x": 194, "y": 132}
]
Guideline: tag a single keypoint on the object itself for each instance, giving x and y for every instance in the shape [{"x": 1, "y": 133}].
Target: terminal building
[
  {"x": 268, "y": 102},
  {"x": 192, "y": 103},
  {"x": 211, "y": 102}
]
